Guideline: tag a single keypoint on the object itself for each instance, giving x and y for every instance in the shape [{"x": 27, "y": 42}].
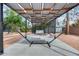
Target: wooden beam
[
  {"x": 37, "y": 11},
  {"x": 44, "y": 9},
  {"x": 67, "y": 23},
  {"x": 64, "y": 12}
]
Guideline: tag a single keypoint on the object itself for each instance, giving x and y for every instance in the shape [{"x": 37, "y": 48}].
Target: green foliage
[
  {"x": 13, "y": 21},
  {"x": 76, "y": 24},
  {"x": 39, "y": 27}
]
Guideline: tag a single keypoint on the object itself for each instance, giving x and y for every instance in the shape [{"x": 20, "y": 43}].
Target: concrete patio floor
[{"x": 58, "y": 48}]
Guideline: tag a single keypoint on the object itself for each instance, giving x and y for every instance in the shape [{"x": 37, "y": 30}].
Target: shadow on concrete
[
  {"x": 25, "y": 42},
  {"x": 66, "y": 50},
  {"x": 60, "y": 48},
  {"x": 54, "y": 50}
]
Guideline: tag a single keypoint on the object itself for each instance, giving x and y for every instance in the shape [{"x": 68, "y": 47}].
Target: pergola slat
[{"x": 37, "y": 10}]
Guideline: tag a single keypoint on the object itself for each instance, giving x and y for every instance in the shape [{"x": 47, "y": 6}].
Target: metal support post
[{"x": 1, "y": 28}]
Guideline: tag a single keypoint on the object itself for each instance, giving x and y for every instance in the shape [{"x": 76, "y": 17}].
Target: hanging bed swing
[{"x": 38, "y": 40}]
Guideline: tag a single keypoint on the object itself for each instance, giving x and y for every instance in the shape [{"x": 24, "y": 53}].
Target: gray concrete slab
[{"x": 58, "y": 48}]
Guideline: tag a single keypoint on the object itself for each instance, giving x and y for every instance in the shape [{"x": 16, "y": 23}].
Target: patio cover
[{"x": 41, "y": 12}]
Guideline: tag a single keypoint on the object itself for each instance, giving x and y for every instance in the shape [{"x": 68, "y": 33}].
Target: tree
[
  {"x": 77, "y": 23},
  {"x": 42, "y": 26},
  {"x": 13, "y": 21}
]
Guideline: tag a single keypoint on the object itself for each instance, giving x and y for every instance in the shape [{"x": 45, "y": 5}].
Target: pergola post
[
  {"x": 67, "y": 23},
  {"x": 54, "y": 26},
  {"x": 48, "y": 29},
  {"x": 26, "y": 28},
  {"x": 1, "y": 28}
]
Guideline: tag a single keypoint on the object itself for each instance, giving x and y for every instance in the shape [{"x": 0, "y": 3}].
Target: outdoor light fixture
[
  {"x": 30, "y": 4},
  {"x": 42, "y": 5},
  {"x": 22, "y": 8}
]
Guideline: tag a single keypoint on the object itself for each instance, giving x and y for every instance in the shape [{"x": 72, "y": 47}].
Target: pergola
[
  {"x": 37, "y": 13},
  {"x": 41, "y": 12}
]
